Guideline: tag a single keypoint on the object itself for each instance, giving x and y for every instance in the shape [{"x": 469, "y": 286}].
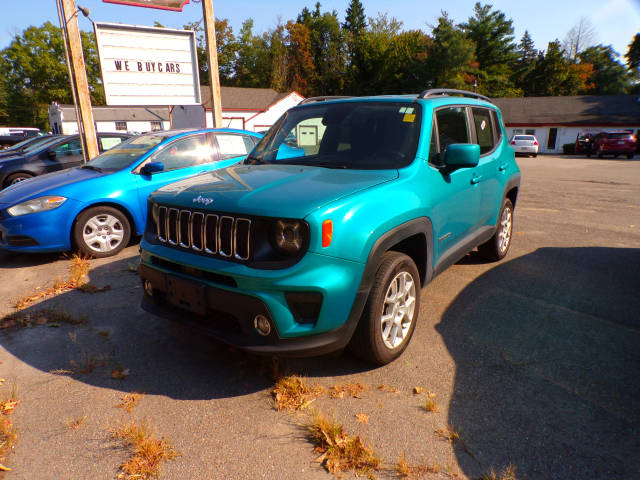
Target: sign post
[
  {"x": 212, "y": 60},
  {"x": 78, "y": 77}
]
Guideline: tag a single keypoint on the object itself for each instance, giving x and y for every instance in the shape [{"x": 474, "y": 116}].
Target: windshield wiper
[{"x": 92, "y": 167}]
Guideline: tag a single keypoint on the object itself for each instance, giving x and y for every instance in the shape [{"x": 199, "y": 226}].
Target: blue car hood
[
  {"x": 271, "y": 190},
  {"x": 51, "y": 183}
]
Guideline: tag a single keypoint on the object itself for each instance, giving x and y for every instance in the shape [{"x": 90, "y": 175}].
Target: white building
[
  {"x": 254, "y": 109},
  {"x": 556, "y": 121}
]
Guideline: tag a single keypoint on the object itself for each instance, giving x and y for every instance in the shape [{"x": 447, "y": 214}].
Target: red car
[{"x": 614, "y": 143}]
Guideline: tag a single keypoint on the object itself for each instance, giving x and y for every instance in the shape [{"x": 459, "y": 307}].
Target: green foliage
[
  {"x": 609, "y": 76},
  {"x": 633, "y": 55},
  {"x": 225, "y": 47}
]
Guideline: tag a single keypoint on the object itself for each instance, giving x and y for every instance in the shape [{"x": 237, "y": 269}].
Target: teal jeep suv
[{"x": 324, "y": 236}]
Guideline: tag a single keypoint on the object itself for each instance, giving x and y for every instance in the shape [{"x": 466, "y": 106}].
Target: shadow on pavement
[
  {"x": 547, "y": 353},
  {"x": 163, "y": 358}
]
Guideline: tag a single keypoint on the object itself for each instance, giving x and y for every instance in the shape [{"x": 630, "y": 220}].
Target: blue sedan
[{"x": 97, "y": 207}]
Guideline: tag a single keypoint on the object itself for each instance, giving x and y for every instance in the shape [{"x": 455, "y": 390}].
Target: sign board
[
  {"x": 187, "y": 116},
  {"x": 175, "y": 5},
  {"x": 148, "y": 65}
]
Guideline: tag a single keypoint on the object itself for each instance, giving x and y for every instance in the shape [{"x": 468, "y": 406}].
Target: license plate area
[{"x": 186, "y": 295}]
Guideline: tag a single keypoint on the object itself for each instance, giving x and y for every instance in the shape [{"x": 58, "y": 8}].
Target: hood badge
[{"x": 203, "y": 200}]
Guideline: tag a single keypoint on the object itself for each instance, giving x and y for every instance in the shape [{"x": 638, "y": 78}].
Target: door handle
[
  {"x": 476, "y": 179},
  {"x": 502, "y": 168}
]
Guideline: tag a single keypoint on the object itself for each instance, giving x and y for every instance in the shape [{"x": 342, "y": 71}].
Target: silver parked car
[{"x": 525, "y": 144}]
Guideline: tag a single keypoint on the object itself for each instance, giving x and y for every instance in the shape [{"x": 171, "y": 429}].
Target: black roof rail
[
  {"x": 323, "y": 99},
  {"x": 432, "y": 92}
]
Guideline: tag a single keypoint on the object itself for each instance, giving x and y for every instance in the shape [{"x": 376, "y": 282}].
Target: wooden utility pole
[
  {"x": 78, "y": 76},
  {"x": 212, "y": 61}
]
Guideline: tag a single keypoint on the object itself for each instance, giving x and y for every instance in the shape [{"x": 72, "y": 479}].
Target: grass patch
[
  {"x": 430, "y": 404},
  {"x": 52, "y": 317},
  {"x": 76, "y": 423},
  {"x": 8, "y": 433},
  {"x": 293, "y": 393},
  {"x": 339, "y": 451},
  {"x": 453, "y": 437},
  {"x": 405, "y": 470},
  {"x": 129, "y": 400},
  {"x": 507, "y": 473},
  {"x": 352, "y": 389},
  {"x": 87, "y": 364},
  {"x": 147, "y": 453}
]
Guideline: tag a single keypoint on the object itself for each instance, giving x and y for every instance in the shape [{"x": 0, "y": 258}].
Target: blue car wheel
[{"x": 101, "y": 232}]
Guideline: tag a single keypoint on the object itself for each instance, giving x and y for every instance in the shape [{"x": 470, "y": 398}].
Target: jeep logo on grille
[{"x": 203, "y": 200}]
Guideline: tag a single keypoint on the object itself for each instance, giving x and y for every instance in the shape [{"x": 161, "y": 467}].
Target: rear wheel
[
  {"x": 391, "y": 312},
  {"x": 101, "y": 232},
  {"x": 17, "y": 178},
  {"x": 600, "y": 152},
  {"x": 629, "y": 156},
  {"x": 498, "y": 246}
]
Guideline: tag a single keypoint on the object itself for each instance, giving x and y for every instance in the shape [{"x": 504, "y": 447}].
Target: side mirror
[
  {"x": 462, "y": 155},
  {"x": 52, "y": 154},
  {"x": 151, "y": 168}
]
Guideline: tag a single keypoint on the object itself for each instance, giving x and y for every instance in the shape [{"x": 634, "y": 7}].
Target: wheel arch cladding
[
  {"x": 512, "y": 195},
  {"x": 117, "y": 206}
]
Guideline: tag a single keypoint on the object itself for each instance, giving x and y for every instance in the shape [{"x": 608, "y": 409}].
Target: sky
[{"x": 615, "y": 21}]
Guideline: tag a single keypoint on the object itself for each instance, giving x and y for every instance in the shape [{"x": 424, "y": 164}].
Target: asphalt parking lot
[{"x": 534, "y": 361}]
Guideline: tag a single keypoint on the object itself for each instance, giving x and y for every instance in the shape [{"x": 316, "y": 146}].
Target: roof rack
[
  {"x": 432, "y": 92},
  {"x": 323, "y": 99}
]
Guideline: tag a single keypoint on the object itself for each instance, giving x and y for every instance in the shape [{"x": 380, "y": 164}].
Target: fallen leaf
[
  {"x": 120, "y": 373},
  {"x": 362, "y": 418},
  {"x": 418, "y": 390},
  {"x": 4, "y": 469}
]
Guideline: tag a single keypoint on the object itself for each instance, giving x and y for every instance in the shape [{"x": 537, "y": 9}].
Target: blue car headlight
[{"x": 35, "y": 205}]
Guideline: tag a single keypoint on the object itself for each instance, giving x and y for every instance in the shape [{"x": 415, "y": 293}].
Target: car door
[
  {"x": 62, "y": 155},
  {"x": 455, "y": 194},
  {"x": 489, "y": 167}
]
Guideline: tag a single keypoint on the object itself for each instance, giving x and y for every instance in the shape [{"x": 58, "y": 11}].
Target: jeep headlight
[
  {"x": 288, "y": 235},
  {"x": 36, "y": 205}
]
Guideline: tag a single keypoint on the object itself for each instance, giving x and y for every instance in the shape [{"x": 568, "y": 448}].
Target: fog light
[
  {"x": 262, "y": 325},
  {"x": 148, "y": 288}
]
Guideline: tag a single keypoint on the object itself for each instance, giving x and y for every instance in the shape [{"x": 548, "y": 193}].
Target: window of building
[
  {"x": 121, "y": 126},
  {"x": 156, "y": 125}
]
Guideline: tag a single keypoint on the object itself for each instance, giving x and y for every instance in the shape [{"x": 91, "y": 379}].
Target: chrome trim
[
  {"x": 177, "y": 221},
  {"x": 215, "y": 236},
  {"x": 231, "y": 242},
  {"x": 180, "y": 224},
  {"x": 159, "y": 220},
  {"x": 201, "y": 231},
  {"x": 235, "y": 238}
]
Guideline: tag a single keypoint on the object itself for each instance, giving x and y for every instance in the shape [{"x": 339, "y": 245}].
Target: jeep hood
[{"x": 291, "y": 191}]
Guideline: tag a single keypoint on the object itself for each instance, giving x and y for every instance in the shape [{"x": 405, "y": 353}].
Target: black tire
[
  {"x": 535, "y": 155},
  {"x": 498, "y": 246},
  {"x": 368, "y": 343},
  {"x": 615, "y": 155},
  {"x": 16, "y": 178},
  {"x": 629, "y": 156},
  {"x": 600, "y": 152},
  {"x": 101, "y": 232}
]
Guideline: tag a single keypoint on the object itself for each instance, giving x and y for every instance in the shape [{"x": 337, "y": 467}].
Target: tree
[
  {"x": 581, "y": 36},
  {"x": 609, "y": 76},
  {"x": 355, "y": 29},
  {"x": 525, "y": 64},
  {"x": 633, "y": 55},
  {"x": 450, "y": 61},
  {"x": 495, "y": 51},
  {"x": 35, "y": 73},
  {"x": 555, "y": 74},
  {"x": 251, "y": 67},
  {"x": 225, "y": 46}
]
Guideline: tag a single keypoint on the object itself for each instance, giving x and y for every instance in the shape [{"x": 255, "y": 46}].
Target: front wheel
[
  {"x": 498, "y": 246},
  {"x": 101, "y": 232},
  {"x": 391, "y": 312},
  {"x": 17, "y": 178}
]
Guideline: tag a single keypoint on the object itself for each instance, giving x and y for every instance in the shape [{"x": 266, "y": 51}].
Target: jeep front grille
[{"x": 221, "y": 235}]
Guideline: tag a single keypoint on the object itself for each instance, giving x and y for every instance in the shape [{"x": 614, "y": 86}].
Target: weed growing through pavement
[
  {"x": 147, "y": 453},
  {"x": 129, "y": 400},
  {"x": 88, "y": 363},
  {"x": 404, "y": 470},
  {"x": 453, "y": 437},
  {"x": 507, "y": 473},
  {"x": 52, "y": 317},
  {"x": 8, "y": 434},
  {"x": 339, "y": 451},
  {"x": 293, "y": 393},
  {"x": 430, "y": 404},
  {"x": 355, "y": 390},
  {"x": 76, "y": 422}
]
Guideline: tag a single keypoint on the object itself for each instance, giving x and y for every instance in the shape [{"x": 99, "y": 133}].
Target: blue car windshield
[
  {"x": 125, "y": 153},
  {"x": 348, "y": 135}
]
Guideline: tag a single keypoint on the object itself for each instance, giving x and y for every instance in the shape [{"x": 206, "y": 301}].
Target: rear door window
[{"x": 484, "y": 129}]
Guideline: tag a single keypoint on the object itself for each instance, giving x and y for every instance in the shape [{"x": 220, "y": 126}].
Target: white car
[{"x": 525, "y": 144}]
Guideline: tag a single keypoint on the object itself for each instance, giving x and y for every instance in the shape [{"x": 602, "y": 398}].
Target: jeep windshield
[{"x": 349, "y": 135}]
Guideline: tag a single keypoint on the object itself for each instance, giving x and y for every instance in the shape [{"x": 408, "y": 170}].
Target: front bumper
[
  {"x": 48, "y": 231},
  {"x": 222, "y": 299}
]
